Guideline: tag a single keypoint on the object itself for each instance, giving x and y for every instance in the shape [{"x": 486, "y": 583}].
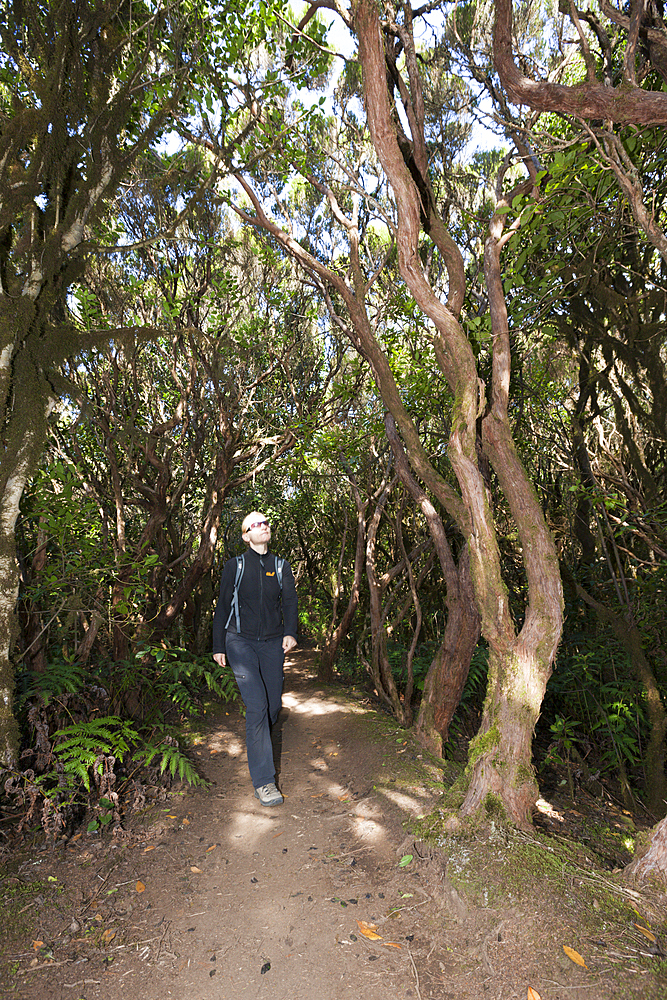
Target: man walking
[{"x": 255, "y": 624}]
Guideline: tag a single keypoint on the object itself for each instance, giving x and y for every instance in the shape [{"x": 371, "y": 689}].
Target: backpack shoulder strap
[
  {"x": 240, "y": 566},
  {"x": 279, "y": 570}
]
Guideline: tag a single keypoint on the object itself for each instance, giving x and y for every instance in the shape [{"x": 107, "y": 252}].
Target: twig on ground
[
  {"x": 47, "y": 965},
  {"x": 414, "y": 969}
]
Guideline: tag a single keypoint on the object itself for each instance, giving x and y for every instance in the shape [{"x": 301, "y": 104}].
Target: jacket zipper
[{"x": 261, "y": 598}]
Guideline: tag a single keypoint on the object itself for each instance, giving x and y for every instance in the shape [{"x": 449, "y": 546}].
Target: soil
[{"x": 208, "y": 895}]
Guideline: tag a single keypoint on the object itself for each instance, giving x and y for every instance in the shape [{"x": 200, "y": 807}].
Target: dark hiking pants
[{"x": 257, "y": 665}]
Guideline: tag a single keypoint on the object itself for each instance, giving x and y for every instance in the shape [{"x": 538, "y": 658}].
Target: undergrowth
[{"x": 97, "y": 746}]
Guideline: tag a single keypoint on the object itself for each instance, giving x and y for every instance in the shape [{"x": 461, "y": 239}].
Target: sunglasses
[{"x": 258, "y": 524}]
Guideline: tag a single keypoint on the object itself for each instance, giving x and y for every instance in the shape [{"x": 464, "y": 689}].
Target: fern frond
[{"x": 173, "y": 760}]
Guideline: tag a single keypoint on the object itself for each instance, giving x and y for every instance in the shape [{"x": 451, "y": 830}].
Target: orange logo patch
[{"x": 270, "y": 574}]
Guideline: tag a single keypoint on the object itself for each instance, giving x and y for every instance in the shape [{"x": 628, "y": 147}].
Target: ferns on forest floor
[{"x": 81, "y": 758}]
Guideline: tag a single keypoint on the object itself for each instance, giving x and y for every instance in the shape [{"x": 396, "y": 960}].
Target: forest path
[
  {"x": 211, "y": 896},
  {"x": 284, "y": 886}
]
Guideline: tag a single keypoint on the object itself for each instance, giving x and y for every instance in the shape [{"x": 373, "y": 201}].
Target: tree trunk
[
  {"x": 500, "y": 766},
  {"x": 24, "y": 441},
  {"x": 520, "y": 665},
  {"x": 448, "y": 672},
  {"x": 329, "y": 652},
  {"x": 653, "y": 863},
  {"x": 85, "y": 647},
  {"x": 380, "y": 666},
  {"x": 33, "y": 630}
]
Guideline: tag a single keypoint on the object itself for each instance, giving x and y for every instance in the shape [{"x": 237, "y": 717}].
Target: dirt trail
[
  {"x": 284, "y": 887},
  {"x": 242, "y": 901},
  {"x": 212, "y": 896}
]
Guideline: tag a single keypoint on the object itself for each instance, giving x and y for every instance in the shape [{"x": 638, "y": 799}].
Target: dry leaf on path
[
  {"x": 108, "y": 936},
  {"x": 193, "y": 868},
  {"x": 368, "y": 930},
  {"x": 151, "y": 847},
  {"x": 140, "y": 887},
  {"x": 646, "y": 932},
  {"x": 211, "y": 848},
  {"x": 391, "y": 944},
  {"x": 575, "y": 956},
  {"x": 37, "y": 945},
  {"x": 533, "y": 994}
]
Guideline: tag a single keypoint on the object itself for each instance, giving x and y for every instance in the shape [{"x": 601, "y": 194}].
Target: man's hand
[
  {"x": 289, "y": 642},
  {"x": 220, "y": 659}
]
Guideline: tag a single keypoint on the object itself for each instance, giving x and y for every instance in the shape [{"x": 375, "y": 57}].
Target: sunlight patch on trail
[
  {"x": 224, "y": 743},
  {"x": 408, "y": 803},
  {"x": 251, "y": 829},
  {"x": 366, "y": 830},
  {"x": 315, "y": 705}
]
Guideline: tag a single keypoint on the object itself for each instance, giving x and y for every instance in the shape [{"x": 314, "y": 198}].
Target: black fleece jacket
[{"x": 265, "y": 611}]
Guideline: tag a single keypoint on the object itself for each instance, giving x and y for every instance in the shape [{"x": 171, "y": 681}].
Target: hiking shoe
[{"x": 268, "y": 795}]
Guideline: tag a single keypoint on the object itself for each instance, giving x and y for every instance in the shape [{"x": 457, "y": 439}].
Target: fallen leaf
[
  {"x": 193, "y": 868},
  {"x": 151, "y": 847},
  {"x": 211, "y": 848},
  {"x": 108, "y": 935},
  {"x": 575, "y": 956},
  {"x": 277, "y": 835},
  {"x": 368, "y": 930},
  {"x": 646, "y": 932},
  {"x": 37, "y": 945},
  {"x": 186, "y": 822},
  {"x": 405, "y": 860},
  {"x": 390, "y": 944},
  {"x": 533, "y": 994},
  {"x": 170, "y": 816},
  {"x": 140, "y": 887},
  {"x": 98, "y": 917},
  {"x": 75, "y": 838}
]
